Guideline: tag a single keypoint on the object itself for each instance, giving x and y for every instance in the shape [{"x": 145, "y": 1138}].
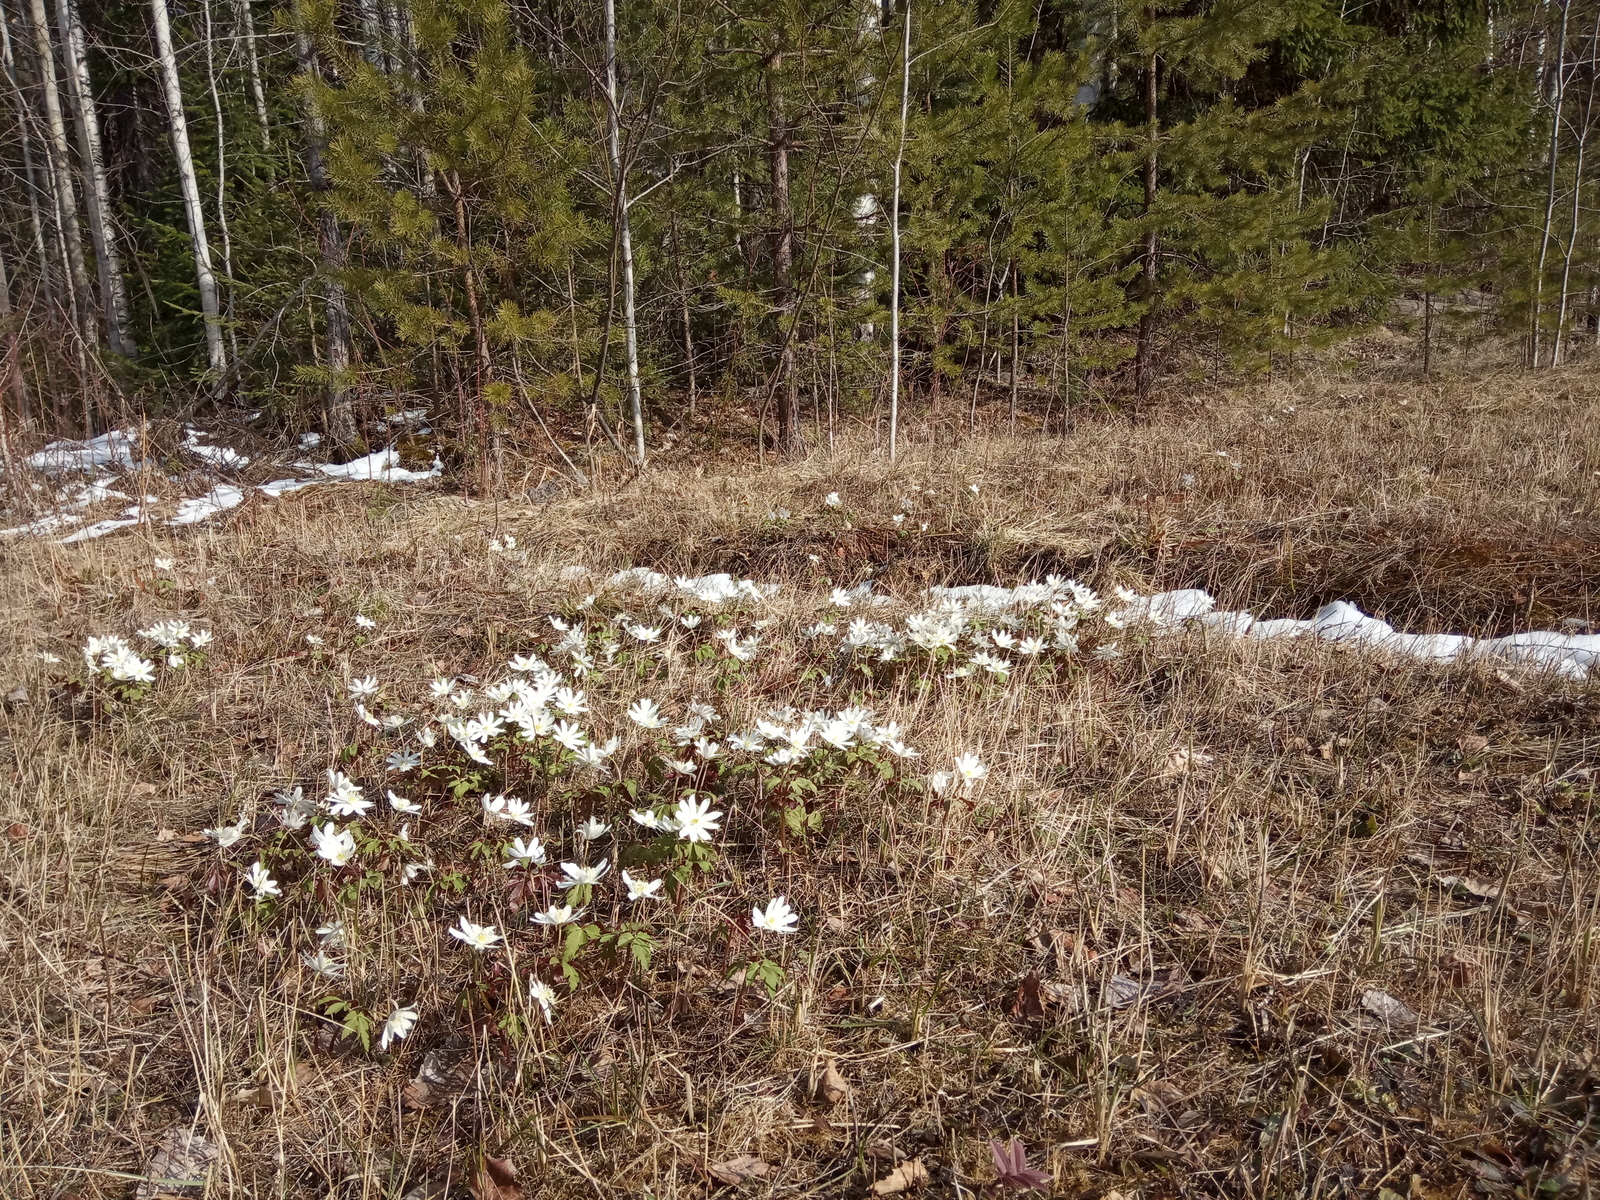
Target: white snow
[
  {"x": 112, "y": 449},
  {"x": 219, "y": 499}
]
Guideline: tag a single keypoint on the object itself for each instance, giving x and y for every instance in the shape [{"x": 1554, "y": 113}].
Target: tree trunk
[
  {"x": 1144, "y": 364},
  {"x": 31, "y": 181},
  {"x": 619, "y": 180},
  {"x": 60, "y": 159},
  {"x": 1577, "y": 195},
  {"x": 894, "y": 234},
  {"x": 222, "y": 180},
  {"x": 1550, "y": 191},
  {"x": 782, "y": 235},
  {"x": 341, "y": 417},
  {"x": 108, "y": 262},
  {"x": 190, "y": 186},
  {"x": 247, "y": 26}
]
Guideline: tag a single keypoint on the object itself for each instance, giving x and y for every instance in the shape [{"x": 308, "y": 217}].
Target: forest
[{"x": 604, "y": 219}]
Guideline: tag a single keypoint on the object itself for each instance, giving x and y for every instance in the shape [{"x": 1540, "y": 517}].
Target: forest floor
[{"x": 1224, "y": 918}]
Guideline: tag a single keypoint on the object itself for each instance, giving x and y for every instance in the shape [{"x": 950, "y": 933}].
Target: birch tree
[
  {"x": 189, "y": 184},
  {"x": 619, "y": 177},
  {"x": 102, "y": 232},
  {"x": 60, "y": 159},
  {"x": 36, "y": 221}
]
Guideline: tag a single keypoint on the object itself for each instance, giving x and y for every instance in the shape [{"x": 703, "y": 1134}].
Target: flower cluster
[{"x": 130, "y": 673}]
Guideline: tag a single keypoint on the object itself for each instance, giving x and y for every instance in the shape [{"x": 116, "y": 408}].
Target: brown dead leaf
[
  {"x": 1389, "y": 1009},
  {"x": 1181, "y": 761},
  {"x": 739, "y": 1168},
  {"x": 179, "y": 1167},
  {"x": 909, "y": 1174},
  {"x": 1029, "y": 1001},
  {"x": 144, "y": 1005},
  {"x": 1464, "y": 887},
  {"x": 1472, "y": 744},
  {"x": 144, "y": 789},
  {"x": 494, "y": 1179},
  {"x": 17, "y": 830},
  {"x": 1158, "y": 1097},
  {"x": 834, "y": 1088}
]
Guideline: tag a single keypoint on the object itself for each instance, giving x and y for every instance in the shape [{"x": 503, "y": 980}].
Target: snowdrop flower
[
  {"x": 365, "y": 622},
  {"x": 475, "y": 937},
  {"x": 569, "y": 735},
  {"x": 557, "y": 914},
  {"x": 831, "y": 500},
  {"x": 338, "y": 846},
  {"x": 1107, "y": 653},
  {"x": 681, "y": 766},
  {"x": 690, "y": 620},
  {"x": 778, "y": 917},
  {"x": 412, "y": 871},
  {"x": 363, "y": 689},
  {"x": 591, "y": 830},
  {"x": 402, "y": 761},
  {"x": 523, "y": 664},
  {"x": 941, "y": 781},
  {"x": 839, "y": 598},
  {"x": 400, "y": 1022},
  {"x": 1028, "y": 647},
  {"x": 970, "y": 769},
  {"x": 440, "y": 688},
  {"x": 313, "y": 640},
  {"x": 163, "y": 564},
  {"x": 576, "y": 876},
  {"x": 649, "y": 820},
  {"x": 645, "y": 714},
  {"x": 642, "y": 889},
  {"x": 748, "y": 743},
  {"x": 707, "y": 749},
  {"x": 401, "y": 805},
  {"x": 542, "y": 994},
  {"x": 201, "y": 638},
  {"x": 322, "y": 965},
  {"x": 571, "y": 703},
  {"x": 695, "y": 820},
  {"x": 227, "y": 835},
  {"x": 261, "y": 883},
  {"x": 526, "y": 854},
  {"x": 344, "y": 796},
  {"x": 645, "y": 633}
]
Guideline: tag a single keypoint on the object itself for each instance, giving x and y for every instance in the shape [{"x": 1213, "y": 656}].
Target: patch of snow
[
  {"x": 131, "y": 516},
  {"x": 381, "y": 466},
  {"x": 112, "y": 449},
  {"x": 282, "y": 487},
  {"x": 47, "y": 524},
  {"x": 309, "y": 441},
  {"x": 222, "y": 456},
  {"x": 219, "y": 499}
]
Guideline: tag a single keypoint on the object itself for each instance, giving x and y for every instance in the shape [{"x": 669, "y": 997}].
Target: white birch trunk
[
  {"x": 222, "y": 182},
  {"x": 629, "y": 323},
  {"x": 1550, "y": 195},
  {"x": 189, "y": 183},
  {"x": 894, "y": 232},
  {"x": 20, "y": 103},
  {"x": 247, "y": 26},
  {"x": 108, "y": 261},
  {"x": 60, "y": 157}
]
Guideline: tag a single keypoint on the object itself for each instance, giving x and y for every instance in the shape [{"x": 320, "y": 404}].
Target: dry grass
[{"x": 958, "y": 963}]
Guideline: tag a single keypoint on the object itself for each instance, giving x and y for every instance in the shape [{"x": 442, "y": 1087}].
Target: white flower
[
  {"x": 526, "y": 854},
  {"x": 440, "y": 688},
  {"x": 544, "y": 996},
  {"x": 332, "y": 934},
  {"x": 571, "y": 703},
  {"x": 227, "y": 835},
  {"x": 508, "y": 808},
  {"x": 201, "y": 638},
  {"x": 690, "y": 620},
  {"x": 777, "y": 918},
  {"x": 744, "y": 650},
  {"x": 558, "y": 624},
  {"x": 401, "y": 805},
  {"x": 695, "y": 820},
  {"x": 831, "y": 499},
  {"x": 970, "y": 768},
  {"x": 344, "y": 796},
  {"x": 646, "y": 633},
  {"x": 988, "y": 662},
  {"x": 338, "y": 846},
  {"x": 642, "y": 889},
  {"x": 839, "y": 598},
  {"x": 313, "y": 640},
  {"x": 707, "y": 749},
  {"x": 900, "y": 750},
  {"x": 363, "y": 689},
  {"x": 123, "y": 665},
  {"x": 940, "y": 782},
  {"x": 576, "y": 876},
  {"x": 322, "y": 965},
  {"x": 523, "y": 664},
  {"x": 569, "y": 735},
  {"x": 749, "y": 743},
  {"x": 261, "y": 883},
  {"x": 411, "y": 871},
  {"x": 365, "y": 622},
  {"x": 402, "y": 761},
  {"x": 163, "y": 564},
  {"x": 646, "y": 714},
  {"x": 427, "y": 738},
  {"x": 1030, "y": 646},
  {"x": 399, "y": 1024},
  {"x": 1107, "y": 653},
  {"x": 681, "y": 766},
  {"x": 899, "y": 518},
  {"x": 1003, "y": 638},
  {"x": 838, "y": 733},
  {"x": 167, "y": 634},
  {"x": 368, "y": 718},
  {"x": 557, "y": 914},
  {"x": 475, "y": 937},
  {"x": 648, "y": 819},
  {"x": 591, "y": 830}
]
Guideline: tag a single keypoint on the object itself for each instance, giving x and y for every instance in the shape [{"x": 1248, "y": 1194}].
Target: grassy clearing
[{"x": 1163, "y": 942}]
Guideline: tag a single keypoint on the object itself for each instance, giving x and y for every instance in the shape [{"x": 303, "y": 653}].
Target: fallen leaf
[
  {"x": 17, "y": 695},
  {"x": 739, "y": 1168},
  {"x": 1464, "y": 886},
  {"x": 1391, "y": 1010},
  {"x": 1029, "y": 1001},
  {"x": 144, "y": 1005},
  {"x": 907, "y": 1175},
  {"x": 17, "y": 830},
  {"x": 144, "y": 789},
  {"x": 1472, "y": 744},
  {"x": 1012, "y": 1169},
  {"x": 179, "y": 1167},
  {"x": 834, "y": 1087},
  {"x": 1122, "y": 991},
  {"x": 1181, "y": 761},
  {"x": 494, "y": 1179},
  {"x": 1158, "y": 1097}
]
